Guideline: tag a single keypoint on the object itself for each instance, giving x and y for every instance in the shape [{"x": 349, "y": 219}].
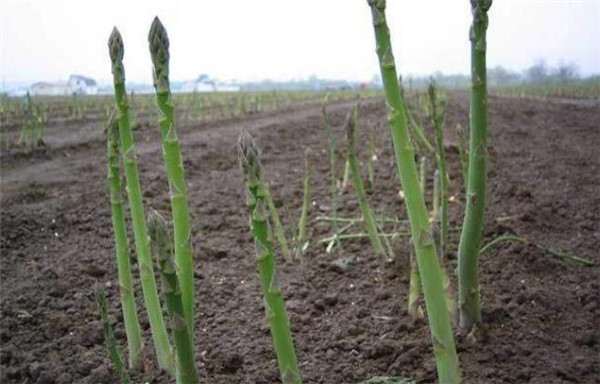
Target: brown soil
[{"x": 542, "y": 313}]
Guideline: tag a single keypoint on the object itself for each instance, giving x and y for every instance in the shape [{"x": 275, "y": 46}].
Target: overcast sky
[{"x": 284, "y": 39}]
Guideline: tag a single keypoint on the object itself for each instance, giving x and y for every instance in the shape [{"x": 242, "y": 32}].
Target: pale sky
[{"x": 284, "y": 39}]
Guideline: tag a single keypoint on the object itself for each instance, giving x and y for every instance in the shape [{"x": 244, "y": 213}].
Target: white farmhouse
[
  {"x": 205, "y": 84},
  {"x": 83, "y": 85},
  {"x": 50, "y": 89}
]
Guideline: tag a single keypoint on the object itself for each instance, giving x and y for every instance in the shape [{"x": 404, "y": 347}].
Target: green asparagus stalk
[
  {"x": 109, "y": 337},
  {"x": 332, "y": 164},
  {"x": 162, "y": 248},
  {"x": 134, "y": 193},
  {"x": 417, "y": 129},
  {"x": 463, "y": 153},
  {"x": 130, "y": 316},
  {"x": 472, "y": 230},
  {"x": 371, "y": 161},
  {"x": 414, "y": 291},
  {"x": 359, "y": 187},
  {"x": 429, "y": 267},
  {"x": 159, "y": 50},
  {"x": 277, "y": 317},
  {"x": 279, "y": 233},
  {"x": 436, "y": 114},
  {"x": 301, "y": 240},
  {"x": 436, "y": 195}
]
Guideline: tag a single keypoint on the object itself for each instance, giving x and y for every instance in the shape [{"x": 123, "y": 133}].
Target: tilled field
[{"x": 349, "y": 324}]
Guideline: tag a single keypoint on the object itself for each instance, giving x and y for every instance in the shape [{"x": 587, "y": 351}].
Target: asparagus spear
[
  {"x": 130, "y": 316},
  {"x": 436, "y": 114},
  {"x": 159, "y": 50},
  {"x": 359, "y": 187},
  {"x": 109, "y": 337},
  {"x": 134, "y": 193},
  {"x": 251, "y": 166},
  {"x": 429, "y": 267},
  {"x": 162, "y": 248},
  {"x": 472, "y": 230},
  {"x": 302, "y": 243}
]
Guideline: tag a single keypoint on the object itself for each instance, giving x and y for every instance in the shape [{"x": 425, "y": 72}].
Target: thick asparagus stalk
[
  {"x": 429, "y": 267},
  {"x": 359, "y": 187},
  {"x": 130, "y": 316},
  {"x": 472, "y": 230},
  {"x": 109, "y": 337},
  {"x": 159, "y": 50},
  {"x": 277, "y": 317},
  {"x": 134, "y": 193},
  {"x": 162, "y": 248}
]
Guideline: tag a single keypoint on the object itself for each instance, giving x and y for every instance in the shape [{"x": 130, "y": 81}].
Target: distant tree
[
  {"x": 538, "y": 72},
  {"x": 566, "y": 72},
  {"x": 501, "y": 77}
]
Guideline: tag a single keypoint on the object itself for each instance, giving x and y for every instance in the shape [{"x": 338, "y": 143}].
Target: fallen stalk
[{"x": 551, "y": 250}]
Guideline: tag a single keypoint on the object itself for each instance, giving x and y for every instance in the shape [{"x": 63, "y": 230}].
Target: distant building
[
  {"x": 205, "y": 84},
  {"x": 83, "y": 85},
  {"x": 78, "y": 84},
  {"x": 50, "y": 89}
]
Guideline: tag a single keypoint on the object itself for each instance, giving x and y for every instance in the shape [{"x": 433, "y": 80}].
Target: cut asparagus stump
[{"x": 277, "y": 317}]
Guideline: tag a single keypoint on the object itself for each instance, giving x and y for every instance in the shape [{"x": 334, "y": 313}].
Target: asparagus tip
[
  {"x": 249, "y": 155},
  {"x": 115, "y": 45}
]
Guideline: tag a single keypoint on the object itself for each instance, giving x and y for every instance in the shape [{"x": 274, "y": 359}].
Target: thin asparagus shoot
[
  {"x": 472, "y": 230},
  {"x": 162, "y": 248},
  {"x": 414, "y": 291},
  {"x": 279, "y": 233},
  {"x": 130, "y": 317},
  {"x": 249, "y": 157},
  {"x": 109, "y": 337},
  {"x": 159, "y": 51},
  {"x": 136, "y": 206},
  {"x": 359, "y": 187},
  {"x": 429, "y": 267},
  {"x": 436, "y": 112},
  {"x": 332, "y": 163},
  {"x": 301, "y": 241}
]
